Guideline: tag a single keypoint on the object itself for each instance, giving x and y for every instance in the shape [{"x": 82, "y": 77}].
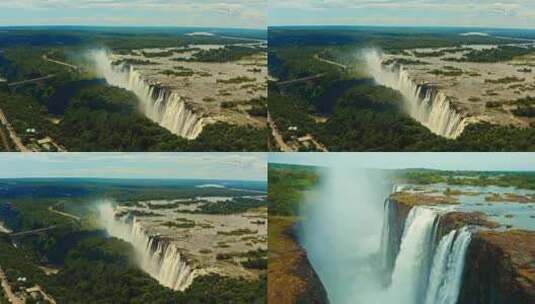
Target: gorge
[
  {"x": 160, "y": 104},
  {"x": 156, "y": 254},
  {"x": 419, "y": 247},
  {"x": 423, "y": 102}
]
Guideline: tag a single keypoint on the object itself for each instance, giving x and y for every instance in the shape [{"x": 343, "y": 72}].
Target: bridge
[
  {"x": 14, "y": 84},
  {"x": 32, "y": 232},
  {"x": 304, "y": 79},
  {"x": 45, "y": 57}
]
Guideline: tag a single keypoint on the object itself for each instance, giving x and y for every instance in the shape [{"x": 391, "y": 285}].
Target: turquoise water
[{"x": 509, "y": 214}]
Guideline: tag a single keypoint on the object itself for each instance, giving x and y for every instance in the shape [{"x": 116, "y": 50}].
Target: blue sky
[
  {"x": 228, "y": 166},
  {"x": 443, "y": 161},
  {"x": 471, "y": 13},
  {"x": 205, "y": 13}
]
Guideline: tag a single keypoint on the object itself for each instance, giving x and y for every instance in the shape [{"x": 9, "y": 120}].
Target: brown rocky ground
[
  {"x": 500, "y": 265},
  {"x": 479, "y": 90},
  {"x": 510, "y": 197},
  {"x": 411, "y": 199},
  {"x": 456, "y": 220},
  {"x": 501, "y": 268},
  {"x": 291, "y": 278}
]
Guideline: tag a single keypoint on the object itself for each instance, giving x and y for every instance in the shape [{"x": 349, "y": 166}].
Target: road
[
  {"x": 14, "y": 137},
  {"x": 12, "y": 298},
  {"x": 330, "y": 62},
  {"x": 61, "y": 62},
  {"x": 314, "y": 77},
  {"x": 51, "y": 209},
  {"x": 13, "y": 84},
  {"x": 278, "y": 137}
]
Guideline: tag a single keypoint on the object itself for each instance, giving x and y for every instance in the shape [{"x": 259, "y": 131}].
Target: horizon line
[
  {"x": 135, "y": 26},
  {"x": 409, "y": 26},
  {"x": 133, "y": 178},
  {"x": 407, "y": 168}
]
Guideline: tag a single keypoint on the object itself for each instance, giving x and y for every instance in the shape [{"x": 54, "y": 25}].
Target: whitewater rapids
[
  {"x": 159, "y": 104},
  {"x": 423, "y": 103},
  {"x": 156, "y": 255}
]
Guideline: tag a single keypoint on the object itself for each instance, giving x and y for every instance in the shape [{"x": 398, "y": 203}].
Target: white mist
[
  {"x": 159, "y": 104},
  {"x": 432, "y": 109},
  {"x": 344, "y": 224},
  {"x": 156, "y": 256},
  {"x": 341, "y": 232}
]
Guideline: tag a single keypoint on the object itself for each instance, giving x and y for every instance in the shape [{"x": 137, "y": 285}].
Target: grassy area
[
  {"x": 225, "y": 54},
  {"x": 471, "y": 178},
  {"x": 286, "y": 186},
  {"x": 93, "y": 267},
  {"x": 233, "y": 206},
  {"x": 361, "y": 115},
  {"x": 78, "y": 111},
  {"x": 284, "y": 284}
]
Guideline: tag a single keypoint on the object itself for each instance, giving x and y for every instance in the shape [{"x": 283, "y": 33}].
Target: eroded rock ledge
[
  {"x": 500, "y": 268},
  {"x": 500, "y": 265}
]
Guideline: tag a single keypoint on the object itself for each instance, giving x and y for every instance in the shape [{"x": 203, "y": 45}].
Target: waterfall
[
  {"x": 390, "y": 237},
  {"x": 156, "y": 255},
  {"x": 409, "y": 277},
  {"x": 423, "y": 102},
  {"x": 446, "y": 274},
  {"x": 363, "y": 253},
  {"x": 423, "y": 272},
  {"x": 159, "y": 104},
  {"x": 391, "y": 233}
]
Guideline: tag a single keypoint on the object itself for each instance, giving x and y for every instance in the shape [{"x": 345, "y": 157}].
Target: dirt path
[
  {"x": 44, "y": 294},
  {"x": 14, "y": 137},
  {"x": 278, "y": 137},
  {"x": 3, "y": 228},
  {"x": 318, "y": 145},
  {"x": 12, "y": 298},
  {"x": 5, "y": 140}
]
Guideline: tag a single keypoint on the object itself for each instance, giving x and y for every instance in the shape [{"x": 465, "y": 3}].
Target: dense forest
[
  {"x": 95, "y": 268},
  {"x": 359, "y": 115},
  {"x": 101, "y": 270},
  {"x": 286, "y": 185},
  {"x": 224, "y": 54},
  {"x": 82, "y": 113}
]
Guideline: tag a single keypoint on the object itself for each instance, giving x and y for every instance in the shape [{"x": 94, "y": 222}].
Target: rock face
[
  {"x": 396, "y": 214},
  {"x": 291, "y": 277},
  {"x": 500, "y": 268},
  {"x": 446, "y": 94},
  {"x": 314, "y": 291},
  {"x": 457, "y": 220},
  {"x": 423, "y": 102}
]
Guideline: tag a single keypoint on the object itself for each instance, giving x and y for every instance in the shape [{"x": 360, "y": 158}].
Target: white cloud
[
  {"x": 504, "y": 13},
  {"x": 173, "y": 165},
  {"x": 234, "y": 13}
]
